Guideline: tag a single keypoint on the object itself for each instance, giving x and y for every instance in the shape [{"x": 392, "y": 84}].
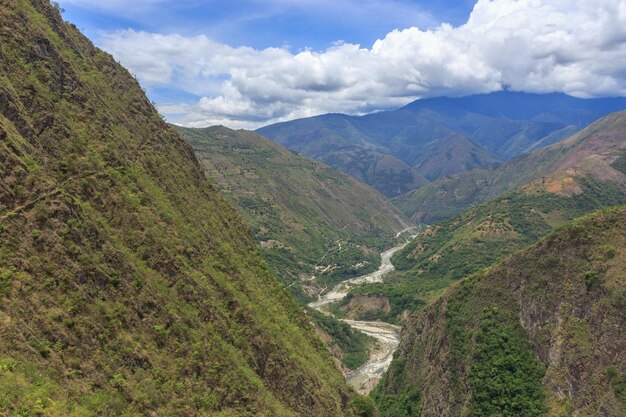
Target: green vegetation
[
  {"x": 618, "y": 382},
  {"x": 484, "y": 347},
  {"x": 505, "y": 377},
  {"x": 406, "y": 403},
  {"x": 355, "y": 345},
  {"x": 310, "y": 220},
  {"x": 128, "y": 286},
  {"x": 620, "y": 162},
  {"x": 477, "y": 238},
  {"x": 401, "y": 301},
  {"x": 365, "y": 407}
]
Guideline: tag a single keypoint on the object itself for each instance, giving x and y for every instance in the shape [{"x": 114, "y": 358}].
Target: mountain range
[
  {"x": 148, "y": 269},
  {"x": 576, "y": 176},
  {"x": 596, "y": 150},
  {"x": 433, "y": 138}
]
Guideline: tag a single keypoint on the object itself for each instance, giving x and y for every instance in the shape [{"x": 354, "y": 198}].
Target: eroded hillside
[
  {"x": 541, "y": 333},
  {"x": 128, "y": 286}
]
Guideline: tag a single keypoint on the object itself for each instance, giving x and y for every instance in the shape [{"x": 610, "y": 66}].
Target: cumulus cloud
[{"x": 572, "y": 46}]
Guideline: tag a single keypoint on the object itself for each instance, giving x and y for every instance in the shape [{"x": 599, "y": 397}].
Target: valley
[
  {"x": 462, "y": 255},
  {"x": 315, "y": 226},
  {"x": 387, "y": 335}
]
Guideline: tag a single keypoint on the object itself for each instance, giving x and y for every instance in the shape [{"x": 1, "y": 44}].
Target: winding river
[{"x": 365, "y": 378}]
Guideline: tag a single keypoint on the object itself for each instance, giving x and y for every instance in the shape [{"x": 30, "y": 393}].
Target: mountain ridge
[
  {"x": 405, "y": 133},
  {"x": 535, "y": 319},
  {"x": 586, "y": 151},
  {"x": 299, "y": 209},
  {"x": 128, "y": 286}
]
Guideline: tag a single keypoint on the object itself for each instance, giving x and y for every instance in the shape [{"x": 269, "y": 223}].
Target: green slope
[
  {"x": 128, "y": 286},
  {"x": 475, "y": 239},
  {"x": 540, "y": 333},
  {"x": 316, "y": 226}
]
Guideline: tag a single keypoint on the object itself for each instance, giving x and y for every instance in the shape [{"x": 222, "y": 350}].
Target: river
[{"x": 365, "y": 378}]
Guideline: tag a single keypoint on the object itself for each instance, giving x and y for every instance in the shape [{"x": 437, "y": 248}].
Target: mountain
[
  {"x": 592, "y": 151},
  {"x": 540, "y": 333},
  {"x": 386, "y": 173},
  {"x": 589, "y": 175},
  {"x": 128, "y": 285},
  {"x": 453, "y": 155},
  {"x": 315, "y": 225},
  {"x": 501, "y": 125}
]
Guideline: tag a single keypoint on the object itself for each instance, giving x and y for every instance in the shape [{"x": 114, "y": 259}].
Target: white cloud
[{"x": 574, "y": 46}]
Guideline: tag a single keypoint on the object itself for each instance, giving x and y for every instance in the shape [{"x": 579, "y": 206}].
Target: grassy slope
[
  {"x": 446, "y": 198},
  {"x": 305, "y": 214},
  {"x": 300, "y": 210},
  {"x": 128, "y": 286},
  {"x": 540, "y": 333},
  {"x": 476, "y": 238}
]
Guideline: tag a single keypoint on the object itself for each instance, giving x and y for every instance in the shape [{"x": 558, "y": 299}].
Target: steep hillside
[
  {"x": 541, "y": 333},
  {"x": 310, "y": 220},
  {"x": 451, "y": 156},
  {"x": 504, "y": 124},
  {"x": 472, "y": 241},
  {"x": 592, "y": 151},
  {"x": 128, "y": 286}
]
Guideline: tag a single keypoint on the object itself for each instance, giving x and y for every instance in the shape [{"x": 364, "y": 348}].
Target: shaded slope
[
  {"x": 589, "y": 152},
  {"x": 128, "y": 286},
  {"x": 386, "y": 173},
  {"x": 451, "y": 156},
  {"x": 303, "y": 213},
  {"x": 548, "y": 321},
  {"x": 336, "y": 141}
]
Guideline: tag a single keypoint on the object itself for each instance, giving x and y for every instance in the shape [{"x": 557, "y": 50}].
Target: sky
[{"x": 249, "y": 63}]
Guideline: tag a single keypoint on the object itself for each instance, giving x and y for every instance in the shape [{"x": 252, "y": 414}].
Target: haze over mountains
[
  {"x": 425, "y": 138},
  {"x": 592, "y": 151}
]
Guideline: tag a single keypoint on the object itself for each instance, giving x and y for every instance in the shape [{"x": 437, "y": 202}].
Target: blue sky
[
  {"x": 261, "y": 24},
  {"x": 248, "y": 63}
]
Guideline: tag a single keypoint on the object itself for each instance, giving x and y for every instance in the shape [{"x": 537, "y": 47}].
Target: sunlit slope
[
  {"x": 310, "y": 220},
  {"x": 128, "y": 286}
]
